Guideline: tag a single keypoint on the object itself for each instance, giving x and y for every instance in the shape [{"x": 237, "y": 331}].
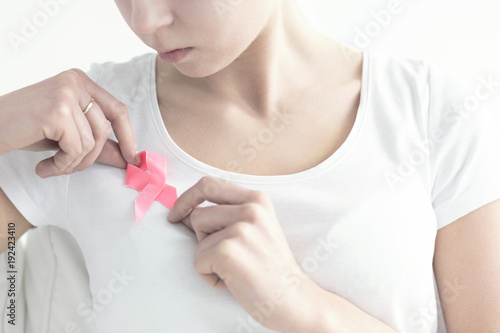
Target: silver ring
[{"x": 87, "y": 109}]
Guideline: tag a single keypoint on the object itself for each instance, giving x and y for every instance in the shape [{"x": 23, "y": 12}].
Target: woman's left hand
[{"x": 243, "y": 248}]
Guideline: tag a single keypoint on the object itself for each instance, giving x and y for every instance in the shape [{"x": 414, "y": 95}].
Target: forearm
[
  {"x": 12, "y": 224},
  {"x": 331, "y": 313}
]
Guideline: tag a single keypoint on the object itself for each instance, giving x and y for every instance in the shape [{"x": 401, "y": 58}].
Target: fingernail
[{"x": 138, "y": 157}]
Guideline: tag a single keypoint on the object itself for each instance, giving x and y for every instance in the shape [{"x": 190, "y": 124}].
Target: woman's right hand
[{"x": 49, "y": 116}]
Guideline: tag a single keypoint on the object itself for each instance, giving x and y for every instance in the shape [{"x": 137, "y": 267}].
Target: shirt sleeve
[
  {"x": 464, "y": 144},
  {"x": 40, "y": 201}
]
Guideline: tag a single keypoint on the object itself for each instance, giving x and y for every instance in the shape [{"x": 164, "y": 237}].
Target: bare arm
[
  {"x": 467, "y": 267},
  {"x": 10, "y": 214}
]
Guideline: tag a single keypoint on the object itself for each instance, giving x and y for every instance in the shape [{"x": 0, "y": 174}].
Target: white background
[{"x": 460, "y": 35}]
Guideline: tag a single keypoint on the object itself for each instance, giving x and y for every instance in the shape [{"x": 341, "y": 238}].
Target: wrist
[
  {"x": 322, "y": 314},
  {"x": 314, "y": 314},
  {"x": 326, "y": 312}
]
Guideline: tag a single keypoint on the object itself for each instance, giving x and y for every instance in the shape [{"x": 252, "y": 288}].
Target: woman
[{"x": 350, "y": 182}]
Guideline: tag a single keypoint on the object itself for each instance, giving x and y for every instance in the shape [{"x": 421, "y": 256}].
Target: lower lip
[{"x": 176, "y": 55}]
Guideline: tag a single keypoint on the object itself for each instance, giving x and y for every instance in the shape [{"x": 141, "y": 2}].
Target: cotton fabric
[{"x": 362, "y": 224}]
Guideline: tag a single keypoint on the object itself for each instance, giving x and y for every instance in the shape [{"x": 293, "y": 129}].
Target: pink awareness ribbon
[{"x": 151, "y": 185}]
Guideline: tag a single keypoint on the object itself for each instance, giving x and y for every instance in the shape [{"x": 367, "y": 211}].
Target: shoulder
[
  {"x": 391, "y": 74},
  {"x": 401, "y": 67},
  {"x": 108, "y": 71},
  {"x": 422, "y": 87},
  {"x": 120, "y": 77},
  {"x": 408, "y": 72}
]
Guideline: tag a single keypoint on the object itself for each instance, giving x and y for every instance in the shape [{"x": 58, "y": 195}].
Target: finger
[
  {"x": 101, "y": 129},
  {"x": 86, "y": 137},
  {"x": 213, "y": 280},
  {"x": 207, "y": 263},
  {"x": 208, "y": 220},
  {"x": 116, "y": 112},
  {"x": 111, "y": 155},
  {"x": 68, "y": 137},
  {"x": 231, "y": 232},
  {"x": 211, "y": 189},
  {"x": 215, "y": 255},
  {"x": 43, "y": 145}
]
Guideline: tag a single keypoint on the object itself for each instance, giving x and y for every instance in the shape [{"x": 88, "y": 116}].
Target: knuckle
[
  {"x": 103, "y": 132},
  {"x": 62, "y": 109},
  {"x": 63, "y": 99},
  {"x": 259, "y": 197},
  {"x": 242, "y": 231},
  {"x": 106, "y": 129},
  {"x": 59, "y": 173},
  {"x": 77, "y": 71},
  {"x": 88, "y": 145},
  {"x": 60, "y": 168},
  {"x": 227, "y": 249},
  {"x": 69, "y": 78},
  {"x": 119, "y": 109},
  {"x": 210, "y": 185},
  {"x": 73, "y": 151},
  {"x": 76, "y": 151},
  {"x": 251, "y": 212},
  {"x": 194, "y": 217},
  {"x": 65, "y": 94},
  {"x": 205, "y": 181},
  {"x": 184, "y": 207}
]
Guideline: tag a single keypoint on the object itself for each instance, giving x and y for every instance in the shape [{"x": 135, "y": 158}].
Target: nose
[{"x": 150, "y": 15}]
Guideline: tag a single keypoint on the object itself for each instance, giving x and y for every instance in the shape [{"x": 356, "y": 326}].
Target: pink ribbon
[{"x": 151, "y": 185}]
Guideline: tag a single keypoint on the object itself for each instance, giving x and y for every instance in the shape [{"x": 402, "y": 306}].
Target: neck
[{"x": 285, "y": 55}]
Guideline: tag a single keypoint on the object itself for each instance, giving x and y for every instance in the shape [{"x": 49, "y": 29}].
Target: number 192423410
[{"x": 11, "y": 272}]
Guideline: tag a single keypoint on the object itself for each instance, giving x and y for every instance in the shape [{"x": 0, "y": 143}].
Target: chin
[
  {"x": 193, "y": 72},
  {"x": 196, "y": 70}
]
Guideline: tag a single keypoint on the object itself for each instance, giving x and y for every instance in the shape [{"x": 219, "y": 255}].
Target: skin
[
  {"x": 214, "y": 98},
  {"x": 48, "y": 116},
  {"x": 467, "y": 267},
  {"x": 240, "y": 238},
  {"x": 244, "y": 69}
]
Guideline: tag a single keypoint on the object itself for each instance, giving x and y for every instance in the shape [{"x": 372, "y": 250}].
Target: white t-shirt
[{"x": 362, "y": 223}]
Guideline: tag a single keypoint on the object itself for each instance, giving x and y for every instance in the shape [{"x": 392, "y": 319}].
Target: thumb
[{"x": 112, "y": 155}]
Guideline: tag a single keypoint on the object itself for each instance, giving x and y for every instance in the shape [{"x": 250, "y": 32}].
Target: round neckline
[{"x": 260, "y": 179}]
